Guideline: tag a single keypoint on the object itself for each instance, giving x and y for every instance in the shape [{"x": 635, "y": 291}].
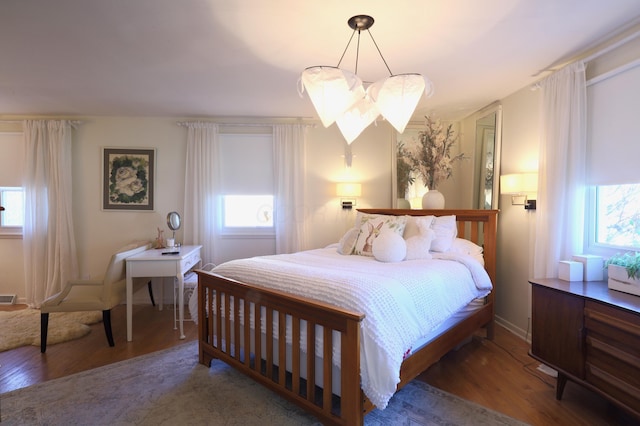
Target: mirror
[
  {"x": 487, "y": 166},
  {"x": 173, "y": 222}
]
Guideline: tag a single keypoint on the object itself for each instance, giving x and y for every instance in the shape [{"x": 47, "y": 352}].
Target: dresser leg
[{"x": 562, "y": 380}]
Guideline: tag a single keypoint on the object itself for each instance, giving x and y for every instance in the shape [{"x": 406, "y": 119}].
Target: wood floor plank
[{"x": 497, "y": 374}]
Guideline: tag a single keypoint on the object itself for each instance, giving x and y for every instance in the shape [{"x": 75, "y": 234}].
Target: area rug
[
  {"x": 22, "y": 327},
  {"x": 170, "y": 387}
]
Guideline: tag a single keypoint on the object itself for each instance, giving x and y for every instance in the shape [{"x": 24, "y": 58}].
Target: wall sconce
[
  {"x": 519, "y": 185},
  {"x": 348, "y": 191}
]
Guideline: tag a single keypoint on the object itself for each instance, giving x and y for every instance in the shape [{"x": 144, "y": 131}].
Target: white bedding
[{"x": 402, "y": 302}]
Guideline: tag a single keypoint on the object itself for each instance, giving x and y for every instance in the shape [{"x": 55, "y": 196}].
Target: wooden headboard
[{"x": 478, "y": 226}]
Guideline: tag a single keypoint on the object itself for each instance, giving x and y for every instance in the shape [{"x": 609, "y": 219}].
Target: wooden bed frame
[{"x": 479, "y": 226}]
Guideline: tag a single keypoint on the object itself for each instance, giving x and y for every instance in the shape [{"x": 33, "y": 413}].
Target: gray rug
[{"x": 170, "y": 387}]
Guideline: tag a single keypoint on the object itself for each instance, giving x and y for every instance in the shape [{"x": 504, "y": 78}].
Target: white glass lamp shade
[
  {"x": 397, "y": 97},
  {"x": 357, "y": 118},
  {"x": 332, "y": 91}
]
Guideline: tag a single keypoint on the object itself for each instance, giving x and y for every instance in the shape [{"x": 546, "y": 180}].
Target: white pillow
[
  {"x": 446, "y": 231},
  {"x": 419, "y": 246},
  {"x": 372, "y": 226},
  {"x": 348, "y": 241},
  {"x": 412, "y": 229},
  {"x": 467, "y": 247},
  {"x": 389, "y": 246}
]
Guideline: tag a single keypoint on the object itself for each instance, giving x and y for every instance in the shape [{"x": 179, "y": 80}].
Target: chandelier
[{"x": 339, "y": 95}]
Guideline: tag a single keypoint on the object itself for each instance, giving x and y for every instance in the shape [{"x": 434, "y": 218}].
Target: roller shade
[
  {"x": 11, "y": 159},
  {"x": 246, "y": 164},
  {"x": 613, "y": 128}
]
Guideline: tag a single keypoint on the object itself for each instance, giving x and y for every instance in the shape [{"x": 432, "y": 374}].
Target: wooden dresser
[{"x": 590, "y": 335}]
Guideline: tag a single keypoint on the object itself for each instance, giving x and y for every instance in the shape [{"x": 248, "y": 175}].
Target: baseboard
[{"x": 521, "y": 333}]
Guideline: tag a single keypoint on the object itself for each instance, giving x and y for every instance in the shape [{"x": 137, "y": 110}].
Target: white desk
[{"x": 152, "y": 263}]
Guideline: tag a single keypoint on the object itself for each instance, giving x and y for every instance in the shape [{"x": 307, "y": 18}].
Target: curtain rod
[
  {"x": 611, "y": 47},
  {"x": 72, "y": 122},
  {"x": 186, "y": 123}
]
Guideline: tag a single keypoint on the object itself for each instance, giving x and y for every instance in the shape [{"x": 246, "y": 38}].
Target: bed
[{"x": 271, "y": 327}]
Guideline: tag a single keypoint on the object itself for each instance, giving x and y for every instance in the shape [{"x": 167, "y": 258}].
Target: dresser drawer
[
  {"x": 616, "y": 327},
  {"x": 613, "y": 352},
  {"x": 189, "y": 262}
]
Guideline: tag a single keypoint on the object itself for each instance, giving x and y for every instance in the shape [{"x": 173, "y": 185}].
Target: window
[
  {"x": 12, "y": 218},
  {"x": 617, "y": 218},
  {"x": 246, "y": 185},
  {"x": 253, "y": 212},
  {"x": 613, "y": 199}
]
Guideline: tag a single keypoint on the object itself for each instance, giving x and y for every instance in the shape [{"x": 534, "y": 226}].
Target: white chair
[{"x": 93, "y": 295}]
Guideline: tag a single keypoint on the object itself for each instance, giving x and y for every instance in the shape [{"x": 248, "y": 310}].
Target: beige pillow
[
  {"x": 371, "y": 226},
  {"x": 348, "y": 241}
]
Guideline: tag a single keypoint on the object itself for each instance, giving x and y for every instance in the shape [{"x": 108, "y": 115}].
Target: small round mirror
[{"x": 173, "y": 221}]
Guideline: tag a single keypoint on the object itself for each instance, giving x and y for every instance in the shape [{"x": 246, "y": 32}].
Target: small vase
[{"x": 433, "y": 199}]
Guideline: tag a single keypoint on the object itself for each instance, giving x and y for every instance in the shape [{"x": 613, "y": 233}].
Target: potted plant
[{"x": 624, "y": 272}]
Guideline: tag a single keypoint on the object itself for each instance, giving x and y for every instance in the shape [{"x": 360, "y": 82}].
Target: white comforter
[{"x": 402, "y": 301}]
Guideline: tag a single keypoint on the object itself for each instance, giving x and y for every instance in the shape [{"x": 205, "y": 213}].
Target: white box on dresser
[
  {"x": 593, "y": 266},
  {"x": 570, "y": 271}
]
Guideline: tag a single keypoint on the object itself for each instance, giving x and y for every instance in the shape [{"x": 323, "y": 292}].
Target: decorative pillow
[
  {"x": 412, "y": 229},
  {"x": 446, "y": 231},
  {"x": 373, "y": 225},
  {"x": 418, "y": 246},
  {"x": 389, "y": 247},
  {"x": 348, "y": 241},
  {"x": 467, "y": 247}
]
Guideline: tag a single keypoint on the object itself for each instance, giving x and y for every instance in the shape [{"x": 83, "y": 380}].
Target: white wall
[
  {"x": 516, "y": 227},
  {"x": 100, "y": 232}
]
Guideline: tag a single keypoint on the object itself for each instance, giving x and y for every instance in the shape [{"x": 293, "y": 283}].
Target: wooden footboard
[{"x": 228, "y": 334}]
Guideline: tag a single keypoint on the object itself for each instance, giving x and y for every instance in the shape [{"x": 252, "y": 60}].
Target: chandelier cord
[
  {"x": 376, "y": 45},
  {"x": 358, "y": 51},
  {"x": 345, "y": 49}
]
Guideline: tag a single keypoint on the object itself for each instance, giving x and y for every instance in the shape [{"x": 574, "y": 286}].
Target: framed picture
[{"x": 128, "y": 179}]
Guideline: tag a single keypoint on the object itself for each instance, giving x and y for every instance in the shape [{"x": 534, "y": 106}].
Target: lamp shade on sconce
[
  {"x": 519, "y": 183},
  {"x": 519, "y": 186},
  {"x": 348, "y": 189},
  {"x": 348, "y": 192}
]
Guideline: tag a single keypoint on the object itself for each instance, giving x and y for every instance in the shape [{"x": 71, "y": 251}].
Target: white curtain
[
  {"x": 200, "y": 193},
  {"x": 289, "y": 165},
  {"x": 561, "y": 176},
  {"x": 50, "y": 257}
]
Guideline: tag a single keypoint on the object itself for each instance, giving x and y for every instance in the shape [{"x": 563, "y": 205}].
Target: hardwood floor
[
  {"x": 152, "y": 331},
  {"x": 496, "y": 374}
]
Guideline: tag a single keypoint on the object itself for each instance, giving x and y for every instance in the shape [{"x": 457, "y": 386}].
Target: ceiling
[{"x": 212, "y": 58}]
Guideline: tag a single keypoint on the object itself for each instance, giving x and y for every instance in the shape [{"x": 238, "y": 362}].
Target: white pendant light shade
[
  {"x": 331, "y": 90},
  {"x": 397, "y": 97},
  {"x": 357, "y": 118}
]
